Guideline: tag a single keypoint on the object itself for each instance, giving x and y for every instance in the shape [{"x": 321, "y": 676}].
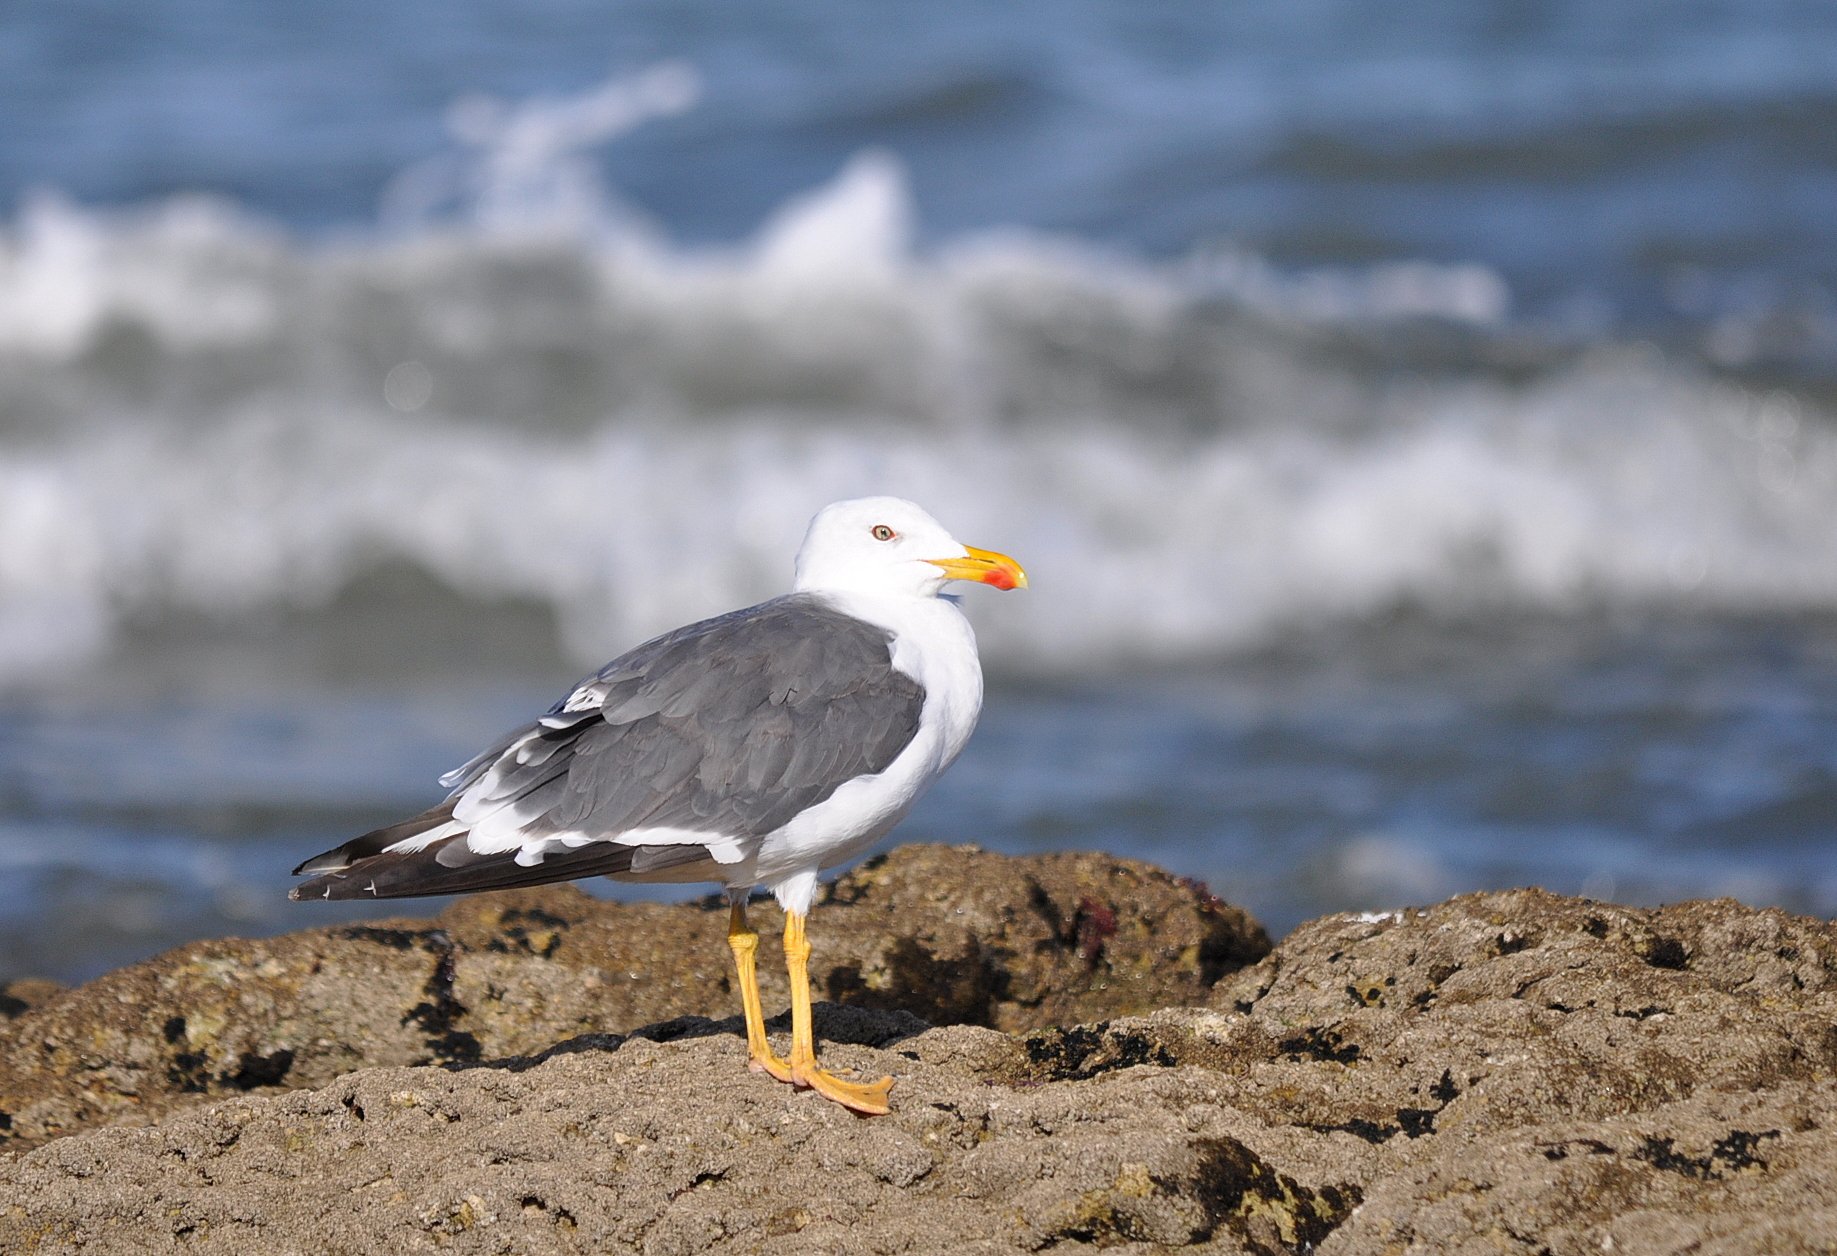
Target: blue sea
[{"x": 1419, "y": 422}]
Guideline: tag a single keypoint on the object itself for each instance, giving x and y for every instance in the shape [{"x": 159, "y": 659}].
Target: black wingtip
[
  {"x": 344, "y": 857},
  {"x": 320, "y": 887}
]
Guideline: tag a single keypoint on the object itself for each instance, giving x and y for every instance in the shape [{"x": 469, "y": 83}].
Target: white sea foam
[
  {"x": 1595, "y": 487},
  {"x": 525, "y": 166},
  {"x": 197, "y": 411}
]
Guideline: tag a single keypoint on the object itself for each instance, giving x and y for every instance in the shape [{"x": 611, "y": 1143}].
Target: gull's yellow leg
[
  {"x": 870, "y": 1098},
  {"x": 745, "y": 944}
]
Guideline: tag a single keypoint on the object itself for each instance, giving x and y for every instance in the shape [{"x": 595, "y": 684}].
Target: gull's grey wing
[{"x": 730, "y": 726}]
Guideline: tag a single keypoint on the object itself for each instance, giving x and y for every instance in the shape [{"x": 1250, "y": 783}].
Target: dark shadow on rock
[
  {"x": 21, "y": 996},
  {"x": 852, "y": 1026}
]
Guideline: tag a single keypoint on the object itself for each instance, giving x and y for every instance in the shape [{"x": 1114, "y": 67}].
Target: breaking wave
[{"x": 517, "y": 385}]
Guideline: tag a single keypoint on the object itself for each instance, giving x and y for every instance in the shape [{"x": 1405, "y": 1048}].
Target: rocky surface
[
  {"x": 1547, "y": 1074},
  {"x": 1504, "y": 1072},
  {"x": 955, "y": 936}
]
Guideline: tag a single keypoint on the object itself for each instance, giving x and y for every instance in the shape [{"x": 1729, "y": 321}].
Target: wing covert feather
[{"x": 730, "y": 726}]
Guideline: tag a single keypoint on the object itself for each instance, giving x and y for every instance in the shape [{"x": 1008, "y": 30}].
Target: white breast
[{"x": 934, "y": 645}]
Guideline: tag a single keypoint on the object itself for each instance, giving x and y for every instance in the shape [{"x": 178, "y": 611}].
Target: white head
[{"x": 889, "y": 545}]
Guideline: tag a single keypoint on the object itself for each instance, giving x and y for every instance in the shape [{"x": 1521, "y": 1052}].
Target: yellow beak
[{"x": 984, "y": 567}]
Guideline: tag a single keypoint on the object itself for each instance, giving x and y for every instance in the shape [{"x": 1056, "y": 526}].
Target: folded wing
[{"x": 675, "y": 759}]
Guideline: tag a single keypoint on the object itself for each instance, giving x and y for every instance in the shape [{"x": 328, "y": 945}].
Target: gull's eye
[{"x": 883, "y": 533}]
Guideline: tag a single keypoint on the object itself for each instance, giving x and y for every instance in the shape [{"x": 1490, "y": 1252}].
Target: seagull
[{"x": 759, "y": 747}]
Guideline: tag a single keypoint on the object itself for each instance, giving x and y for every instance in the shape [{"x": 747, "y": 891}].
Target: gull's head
[{"x": 889, "y": 545}]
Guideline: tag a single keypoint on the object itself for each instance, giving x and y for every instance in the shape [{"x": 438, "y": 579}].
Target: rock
[
  {"x": 950, "y": 935},
  {"x": 1493, "y": 1011},
  {"x": 1501, "y": 1072},
  {"x": 1593, "y": 1077},
  {"x": 1719, "y": 1172},
  {"x": 671, "y": 1148}
]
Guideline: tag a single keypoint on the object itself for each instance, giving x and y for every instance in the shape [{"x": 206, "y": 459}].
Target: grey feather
[{"x": 731, "y": 726}]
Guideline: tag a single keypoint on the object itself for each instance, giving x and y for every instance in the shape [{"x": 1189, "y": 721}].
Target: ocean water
[{"x": 1418, "y": 426}]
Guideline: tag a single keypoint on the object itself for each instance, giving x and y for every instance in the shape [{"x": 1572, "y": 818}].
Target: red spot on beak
[{"x": 984, "y": 567}]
